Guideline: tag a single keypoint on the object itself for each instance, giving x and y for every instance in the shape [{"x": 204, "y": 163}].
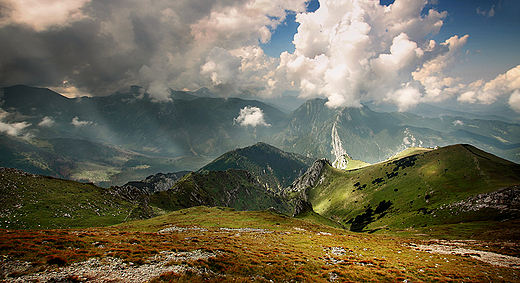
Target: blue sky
[
  {"x": 282, "y": 37},
  {"x": 402, "y": 52},
  {"x": 493, "y": 42}
]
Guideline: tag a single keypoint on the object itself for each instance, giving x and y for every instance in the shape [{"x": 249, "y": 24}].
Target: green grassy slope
[
  {"x": 346, "y": 162},
  {"x": 30, "y": 201},
  {"x": 413, "y": 191},
  {"x": 231, "y": 188}
]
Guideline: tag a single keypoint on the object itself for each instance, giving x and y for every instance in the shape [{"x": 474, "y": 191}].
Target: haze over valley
[{"x": 259, "y": 141}]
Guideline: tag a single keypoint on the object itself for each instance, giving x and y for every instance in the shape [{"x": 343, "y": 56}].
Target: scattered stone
[
  {"x": 179, "y": 229},
  {"x": 489, "y": 257},
  {"x": 110, "y": 269}
]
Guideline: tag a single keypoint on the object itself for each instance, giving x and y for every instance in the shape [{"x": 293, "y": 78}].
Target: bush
[{"x": 54, "y": 259}]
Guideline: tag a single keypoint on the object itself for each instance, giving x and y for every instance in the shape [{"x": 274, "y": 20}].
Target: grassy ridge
[
  {"x": 409, "y": 191},
  {"x": 30, "y": 201},
  {"x": 231, "y": 188},
  {"x": 274, "y": 168}
]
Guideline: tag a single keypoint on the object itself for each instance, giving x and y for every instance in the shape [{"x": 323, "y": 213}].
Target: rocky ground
[
  {"x": 463, "y": 248},
  {"x": 107, "y": 269}
]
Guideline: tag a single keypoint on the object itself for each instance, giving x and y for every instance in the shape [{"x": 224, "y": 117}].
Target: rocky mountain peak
[
  {"x": 342, "y": 161},
  {"x": 308, "y": 179},
  {"x": 302, "y": 206}
]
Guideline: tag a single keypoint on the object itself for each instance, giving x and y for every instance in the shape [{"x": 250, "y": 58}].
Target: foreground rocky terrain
[{"x": 246, "y": 246}]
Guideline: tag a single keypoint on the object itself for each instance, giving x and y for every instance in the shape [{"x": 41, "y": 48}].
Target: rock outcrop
[
  {"x": 505, "y": 200},
  {"x": 302, "y": 206},
  {"x": 341, "y": 161},
  {"x": 158, "y": 182},
  {"x": 307, "y": 180}
]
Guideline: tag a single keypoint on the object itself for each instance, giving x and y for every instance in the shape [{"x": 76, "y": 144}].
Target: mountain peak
[
  {"x": 273, "y": 167},
  {"x": 28, "y": 92}
]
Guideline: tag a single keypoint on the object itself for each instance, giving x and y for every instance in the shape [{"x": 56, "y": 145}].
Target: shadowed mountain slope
[
  {"x": 273, "y": 167},
  {"x": 233, "y": 188}
]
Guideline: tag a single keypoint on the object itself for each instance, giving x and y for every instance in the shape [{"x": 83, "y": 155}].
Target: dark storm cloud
[
  {"x": 98, "y": 47},
  {"x": 347, "y": 51},
  {"x": 77, "y": 52}
]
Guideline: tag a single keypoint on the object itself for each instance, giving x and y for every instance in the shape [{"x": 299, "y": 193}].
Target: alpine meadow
[{"x": 259, "y": 141}]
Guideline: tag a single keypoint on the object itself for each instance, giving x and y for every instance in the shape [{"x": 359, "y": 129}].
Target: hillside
[
  {"x": 419, "y": 189},
  {"x": 455, "y": 192},
  {"x": 203, "y": 244},
  {"x": 274, "y": 168},
  {"x": 233, "y": 188},
  {"x": 128, "y": 135},
  {"x": 30, "y": 201}
]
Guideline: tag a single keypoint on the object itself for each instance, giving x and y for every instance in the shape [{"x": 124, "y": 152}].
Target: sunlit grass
[
  {"x": 287, "y": 249},
  {"x": 416, "y": 185}
]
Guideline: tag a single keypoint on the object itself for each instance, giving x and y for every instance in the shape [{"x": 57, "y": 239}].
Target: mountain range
[
  {"x": 419, "y": 187},
  {"x": 128, "y": 135},
  {"x": 230, "y": 221}
]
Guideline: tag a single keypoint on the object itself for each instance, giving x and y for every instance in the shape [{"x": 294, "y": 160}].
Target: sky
[{"x": 402, "y": 52}]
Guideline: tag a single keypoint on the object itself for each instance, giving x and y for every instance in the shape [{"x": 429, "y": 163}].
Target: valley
[
  {"x": 142, "y": 191},
  {"x": 128, "y": 136},
  {"x": 366, "y": 223}
]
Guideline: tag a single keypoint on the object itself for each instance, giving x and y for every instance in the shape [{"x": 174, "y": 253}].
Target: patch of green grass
[
  {"x": 356, "y": 164},
  {"x": 318, "y": 219},
  {"x": 417, "y": 186},
  {"x": 409, "y": 151},
  {"x": 38, "y": 202}
]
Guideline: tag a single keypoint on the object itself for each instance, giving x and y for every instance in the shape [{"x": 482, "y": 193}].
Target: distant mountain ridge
[
  {"x": 416, "y": 188},
  {"x": 315, "y": 130},
  {"x": 188, "y": 131},
  {"x": 158, "y": 182},
  {"x": 233, "y": 188}
]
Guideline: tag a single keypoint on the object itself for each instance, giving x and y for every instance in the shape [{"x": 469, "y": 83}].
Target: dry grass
[{"x": 287, "y": 250}]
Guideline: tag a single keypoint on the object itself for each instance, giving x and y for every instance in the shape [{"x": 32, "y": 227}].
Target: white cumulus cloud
[
  {"x": 514, "y": 101},
  {"x": 77, "y": 123},
  {"x": 13, "y": 129},
  {"x": 489, "y": 92},
  {"x": 46, "y": 122},
  {"x": 251, "y": 116},
  {"x": 43, "y": 14},
  {"x": 350, "y": 51},
  {"x": 458, "y": 123}
]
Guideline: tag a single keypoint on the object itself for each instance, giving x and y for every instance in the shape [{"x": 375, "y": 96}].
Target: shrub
[{"x": 54, "y": 259}]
